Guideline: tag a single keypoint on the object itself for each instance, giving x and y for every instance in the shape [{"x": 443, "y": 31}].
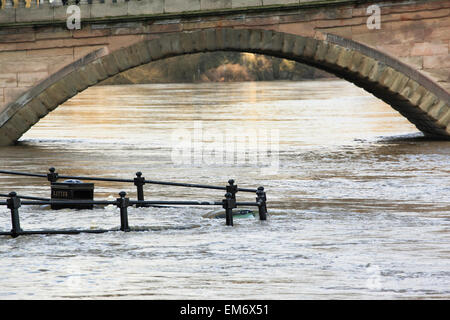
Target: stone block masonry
[{"x": 36, "y": 45}]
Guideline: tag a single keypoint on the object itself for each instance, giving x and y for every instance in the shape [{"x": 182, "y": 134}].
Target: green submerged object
[{"x": 236, "y": 214}]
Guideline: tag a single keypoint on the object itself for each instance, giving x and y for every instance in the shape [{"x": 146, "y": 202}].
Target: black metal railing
[{"x": 15, "y": 201}]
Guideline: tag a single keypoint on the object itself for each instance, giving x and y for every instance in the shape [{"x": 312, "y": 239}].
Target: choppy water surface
[{"x": 358, "y": 200}]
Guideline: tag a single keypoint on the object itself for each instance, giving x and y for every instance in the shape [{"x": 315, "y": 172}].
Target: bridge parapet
[{"x": 19, "y": 11}]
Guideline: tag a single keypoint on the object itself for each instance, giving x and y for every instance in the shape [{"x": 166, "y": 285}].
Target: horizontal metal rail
[
  {"x": 70, "y": 202},
  {"x": 48, "y": 232},
  {"x": 176, "y": 184},
  {"x": 80, "y": 231},
  {"x": 24, "y": 174},
  {"x": 56, "y": 201},
  {"x": 190, "y": 185},
  {"x": 26, "y": 197},
  {"x": 131, "y": 202}
]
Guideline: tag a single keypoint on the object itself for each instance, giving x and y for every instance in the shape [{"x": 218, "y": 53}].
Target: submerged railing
[{"x": 15, "y": 201}]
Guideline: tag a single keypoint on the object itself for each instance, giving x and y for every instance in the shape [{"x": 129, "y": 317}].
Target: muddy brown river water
[{"x": 358, "y": 200}]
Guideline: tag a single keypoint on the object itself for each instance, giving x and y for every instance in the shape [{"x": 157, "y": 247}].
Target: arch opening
[{"x": 218, "y": 66}]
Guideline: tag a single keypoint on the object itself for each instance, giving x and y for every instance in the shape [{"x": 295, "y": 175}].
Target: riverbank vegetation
[{"x": 218, "y": 67}]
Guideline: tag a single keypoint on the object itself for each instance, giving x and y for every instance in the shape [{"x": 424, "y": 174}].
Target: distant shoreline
[{"x": 218, "y": 67}]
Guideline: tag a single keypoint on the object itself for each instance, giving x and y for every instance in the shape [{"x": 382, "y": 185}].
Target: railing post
[
  {"x": 228, "y": 204},
  {"x": 123, "y": 204},
  {"x": 14, "y": 204},
  {"x": 261, "y": 199},
  {"x": 232, "y": 188},
  {"x": 139, "y": 182},
  {"x": 52, "y": 176}
]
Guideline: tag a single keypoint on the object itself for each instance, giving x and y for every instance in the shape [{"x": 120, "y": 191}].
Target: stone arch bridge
[{"x": 405, "y": 62}]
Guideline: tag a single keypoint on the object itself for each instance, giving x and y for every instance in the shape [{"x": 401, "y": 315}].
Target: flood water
[{"x": 358, "y": 200}]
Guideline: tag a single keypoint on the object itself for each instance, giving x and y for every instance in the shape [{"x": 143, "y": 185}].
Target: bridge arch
[{"x": 420, "y": 100}]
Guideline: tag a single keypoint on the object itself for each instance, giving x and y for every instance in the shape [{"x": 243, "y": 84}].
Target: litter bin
[{"x": 72, "y": 190}]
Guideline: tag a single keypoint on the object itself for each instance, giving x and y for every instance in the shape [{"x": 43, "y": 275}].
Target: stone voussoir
[
  {"x": 241, "y": 39},
  {"x": 100, "y": 70},
  {"x": 110, "y": 65},
  {"x": 46, "y": 100},
  {"x": 220, "y": 38},
  {"x": 344, "y": 59},
  {"x": 5, "y": 139},
  {"x": 89, "y": 79},
  {"x": 444, "y": 120},
  {"x": 333, "y": 54},
  {"x": 427, "y": 101},
  {"x": 387, "y": 77},
  {"x": 267, "y": 40},
  {"x": 366, "y": 66},
  {"x": 15, "y": 127},
  {"x": 124, "y": 59},
  {"x": 399, "y": 83},
  {"x": 356, "y": 61},
  {"x": 288, "y": 43},
  {"x": 299, "y": 46},
  {"x": 211, "y": 41},
  {"x": 321, "y": 52},
  {"x": 76, "y": 81},
  {"x": 38, "y": 108},
  {"x": 57, "y": 94},
  {"x": 409, "y": 89},
  {"x": 310, "y": 49},
  {"x": 198, "y": 41},
  {"x": 186, "y": 41},
  {"x": 255, "y": 42},
  {"x": 141, "y": 51},
  {"x": 438, "y": 110},
  {"x": 376, "y": 72},
  {"x": 28, "y": 115},
  {"x": 417, "y": 95},
  {"x": 154, "y": 47}
]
